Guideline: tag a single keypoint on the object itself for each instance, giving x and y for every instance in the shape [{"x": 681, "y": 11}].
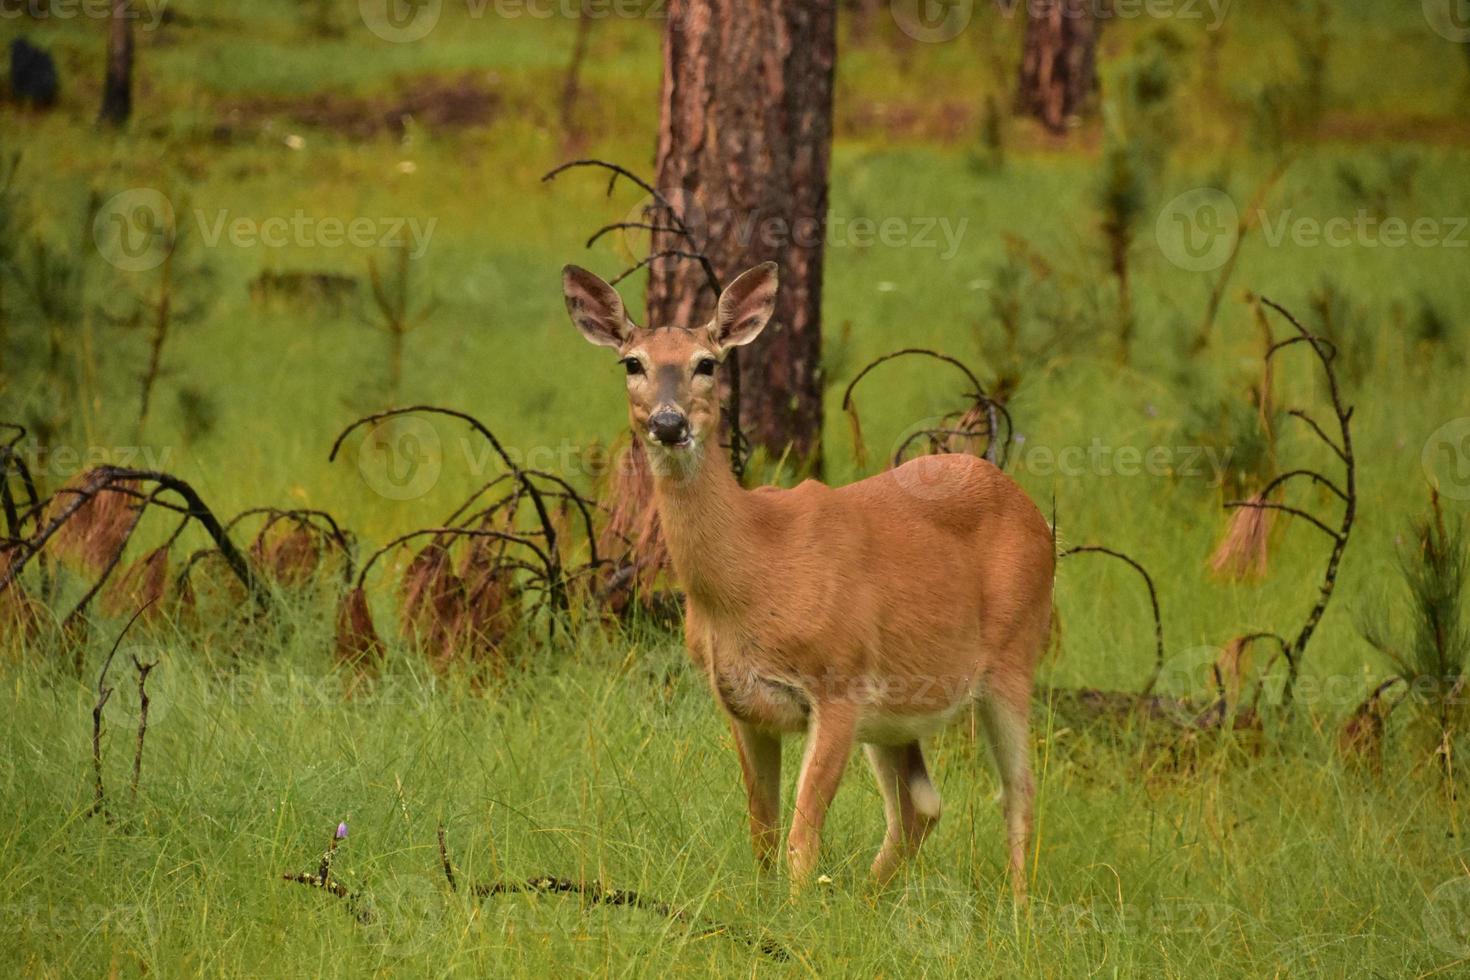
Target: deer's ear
[
  {"x": 746, "y": 306},
  {"x": 595, "y": 307}
]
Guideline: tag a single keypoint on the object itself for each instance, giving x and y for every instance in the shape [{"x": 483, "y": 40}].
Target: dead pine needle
[{"x": 1244, "y": 551}]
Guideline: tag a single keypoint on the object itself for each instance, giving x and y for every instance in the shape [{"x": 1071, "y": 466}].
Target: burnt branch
[
  {"x": 998, "y": 439},
  {"x": 596, "y": 893},
  {"x": 675, "y": 218},
  {"x": 1297, "y": 413},
  {"x": 449, "y": 532},
  {"x": 1313, "y": 475},
  {"x": 322, "y": 878},
  {"x": 444, "y": 861},
  {"x": 1153, "y": 599},
  {"x": 104, "y": 693},
  {"x": 13, "y": 463},
  {"x": 114, "y": 479},
  {"x": 1347, "y": 490},
  {"x": 318, "y": 523},
  {"x": 551, "y": 556},
  {"x": 1283, "y": 508},
  {"x": 652, "y": 257},
  {"x": 143, "y": 701},
  {"x": 631, "y": 225}
]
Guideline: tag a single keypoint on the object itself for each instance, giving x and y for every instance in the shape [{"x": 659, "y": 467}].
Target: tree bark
[
  {"x": 745, "y": 133},
  {"x": 117, "y": 92},
  {"x": 1058, "y": 61}
]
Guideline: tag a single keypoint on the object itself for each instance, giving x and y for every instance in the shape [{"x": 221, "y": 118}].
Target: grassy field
[{"x": 602, "y": 755}]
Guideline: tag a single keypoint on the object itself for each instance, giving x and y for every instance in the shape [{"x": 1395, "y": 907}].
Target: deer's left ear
[{"x": 745, "y": 307}]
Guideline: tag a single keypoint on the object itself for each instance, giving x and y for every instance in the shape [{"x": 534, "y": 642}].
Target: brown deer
[{"x": 873, "y": 613}]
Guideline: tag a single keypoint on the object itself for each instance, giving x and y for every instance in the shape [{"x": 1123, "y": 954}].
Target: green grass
[
  {"x": 603, "y": 755},
  {"x": 608, "y": 762}
]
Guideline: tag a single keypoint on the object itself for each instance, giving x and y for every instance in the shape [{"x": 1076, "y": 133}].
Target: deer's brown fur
[{"x": 872, "y": 613}]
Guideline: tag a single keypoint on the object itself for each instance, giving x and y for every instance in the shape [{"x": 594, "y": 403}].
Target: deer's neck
[{"x": 705, "y": 517}]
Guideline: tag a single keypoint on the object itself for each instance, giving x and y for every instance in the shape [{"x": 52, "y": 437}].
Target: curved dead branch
[
  {"x": 465, "y": 532},
  {"x": 115, "y": 479},
  {"x": 552, "y": 554},
  {"x": 998, "y": 446},
  {"x": 1346, "y": 491},
  {"x": 1153, "y": 599},
  {"x": 305, "y": 519}
]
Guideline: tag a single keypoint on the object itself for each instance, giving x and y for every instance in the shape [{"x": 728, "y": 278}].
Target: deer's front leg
[
  {"x": 760, "y": 764},
  {"x": 829, "y": 743}
]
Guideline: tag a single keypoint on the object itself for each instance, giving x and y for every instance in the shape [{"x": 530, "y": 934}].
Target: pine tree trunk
[
  {"x": 117, "y": 93},
  {"x": 745, "y": 133},
  {"x": 1058, "y": 61}
]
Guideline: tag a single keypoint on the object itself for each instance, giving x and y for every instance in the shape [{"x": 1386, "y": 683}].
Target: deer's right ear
[{"x": 595, "y": 307}]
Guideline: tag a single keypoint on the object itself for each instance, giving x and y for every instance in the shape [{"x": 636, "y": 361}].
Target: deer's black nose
[{"x": 669, "y": 428}]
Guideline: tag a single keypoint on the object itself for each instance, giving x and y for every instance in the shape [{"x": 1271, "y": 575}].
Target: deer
[{"x": 873, "y": 613}]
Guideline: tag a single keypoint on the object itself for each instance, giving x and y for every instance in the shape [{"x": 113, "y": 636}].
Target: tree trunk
[
  {"x": 1058, "y": 61},
  {"x": 745, "y": 133},
  {"x": 117, "y": 92}
]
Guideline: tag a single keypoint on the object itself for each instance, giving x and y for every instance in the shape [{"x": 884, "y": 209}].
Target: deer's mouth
[{"x": 687, "y": 442}]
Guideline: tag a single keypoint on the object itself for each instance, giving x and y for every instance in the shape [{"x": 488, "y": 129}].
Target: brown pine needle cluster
[
  {"x": 289, "y": 557},
  {"x": 358, "y": 643},
  {"x": 96, "y": 532},
  {"x": 1245, "y": 550},
  {"x": 142, "y": 584}
]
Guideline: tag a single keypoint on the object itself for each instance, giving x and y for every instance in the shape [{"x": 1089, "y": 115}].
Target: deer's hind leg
[
  {"x": 910, "y": 804},
  {"x": 1005, "y": 714}
]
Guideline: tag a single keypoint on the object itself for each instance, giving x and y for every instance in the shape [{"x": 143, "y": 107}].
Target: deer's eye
[
  {"x": 633, "y": 365},
  {"x": 706, "y": 366}
]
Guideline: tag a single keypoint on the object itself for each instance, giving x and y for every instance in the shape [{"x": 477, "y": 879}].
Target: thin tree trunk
[
  {"x": 162, "y": 316},
  {"x": 1058, "y": 61},
  {"x": 117, "y": 93},
  {"x": 572, "y": 85},
  {"x": 745, "y": 133}
]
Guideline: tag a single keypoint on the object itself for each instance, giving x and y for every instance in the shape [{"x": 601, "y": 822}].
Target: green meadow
[{"x": 600, "y": 754}]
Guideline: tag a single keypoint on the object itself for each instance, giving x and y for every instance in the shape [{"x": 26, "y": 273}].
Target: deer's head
[{"x": 673, "y": 395}]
